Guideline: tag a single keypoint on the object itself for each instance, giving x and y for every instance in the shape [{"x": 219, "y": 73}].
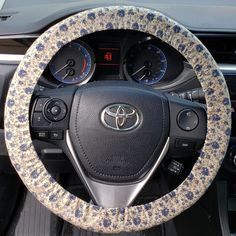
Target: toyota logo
[{"x": 121, "y": 117}]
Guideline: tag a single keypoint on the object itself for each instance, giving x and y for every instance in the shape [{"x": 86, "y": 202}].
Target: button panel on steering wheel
[{"x": 55, "y": 110}]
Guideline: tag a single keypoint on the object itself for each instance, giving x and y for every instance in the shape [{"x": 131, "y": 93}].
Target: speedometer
[
  {"x": 73, "y": 64},
  {"x": 145, "y": 63}
]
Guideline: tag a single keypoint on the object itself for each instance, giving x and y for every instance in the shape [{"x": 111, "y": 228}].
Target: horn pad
[{"x": 118, "y": 130}]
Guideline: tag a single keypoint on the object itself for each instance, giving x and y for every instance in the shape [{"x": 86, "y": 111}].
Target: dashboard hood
[{"x": 17, "y": 17}]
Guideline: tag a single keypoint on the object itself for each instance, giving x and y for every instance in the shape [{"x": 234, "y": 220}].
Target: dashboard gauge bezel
[
  {"x": 143, "y": 46},
  {"x": 175, "y": 62},
  {"x": 91, "y": 71}
]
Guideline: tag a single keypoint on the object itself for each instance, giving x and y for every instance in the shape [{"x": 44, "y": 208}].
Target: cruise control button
[
  {"x": 41, "y": 134},
  {"x": 38, "y": 120},
  {"x": 56, "y": 135},
  {"x": 187, "y": 120}
]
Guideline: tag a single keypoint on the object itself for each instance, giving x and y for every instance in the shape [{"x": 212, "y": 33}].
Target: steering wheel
[{"x": 116, "y": 133}]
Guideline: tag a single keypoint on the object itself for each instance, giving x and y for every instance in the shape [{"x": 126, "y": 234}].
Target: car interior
[{"x": 117, "y": 118}]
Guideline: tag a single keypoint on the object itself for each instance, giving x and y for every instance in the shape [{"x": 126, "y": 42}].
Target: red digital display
[
  {"x": 108, "y": 56},
  {"x": 108, "y": 59}
]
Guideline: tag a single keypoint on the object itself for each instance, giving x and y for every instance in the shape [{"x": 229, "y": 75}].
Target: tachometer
[
  {"x": 74, "y": 63},
  {"x": 145, "y": 63}
]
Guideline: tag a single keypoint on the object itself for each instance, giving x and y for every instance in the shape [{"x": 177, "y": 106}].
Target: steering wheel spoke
[{"x": 109, "y": 194}]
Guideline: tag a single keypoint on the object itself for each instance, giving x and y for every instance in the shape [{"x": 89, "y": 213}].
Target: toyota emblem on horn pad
[{"x": 120, "y": 117}]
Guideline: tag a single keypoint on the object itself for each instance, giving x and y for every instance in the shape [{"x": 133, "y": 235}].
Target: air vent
[
  {"x": 4, "y": 18},
  {"x": 223, "y": 49}
]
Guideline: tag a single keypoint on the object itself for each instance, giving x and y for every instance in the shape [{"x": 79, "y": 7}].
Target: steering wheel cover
[{"x": 32, "y": 171}]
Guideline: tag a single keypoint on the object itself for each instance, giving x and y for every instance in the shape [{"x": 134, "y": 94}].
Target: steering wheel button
[
  {"x": 38, "y": 120},
  {"x": 55, "y": 118},
  {"x": 56, "y": 135},
  {"x": 41, "y": 134},
  {"x": 187, "y": 120},
  {"x": 55, "y": 110},
  {"x": 40, "y": 103},
  {"x": 184, "y": 144},
  {"x": 175, "y": 167}
]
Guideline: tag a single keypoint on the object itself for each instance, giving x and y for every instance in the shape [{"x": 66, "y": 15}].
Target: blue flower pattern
[{"x": 97, "y": 218}]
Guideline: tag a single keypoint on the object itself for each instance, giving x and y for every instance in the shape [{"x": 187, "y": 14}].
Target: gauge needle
[
  {"x": 137, "y": 71},
  {"x": 143, "y": 76},
  {"x": 68, "y": 73},
  {"x": 62, "y": 68}
]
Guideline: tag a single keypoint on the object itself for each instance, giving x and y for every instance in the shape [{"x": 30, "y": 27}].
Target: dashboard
[
  {"x": 114, "y": 55},
  {"x": 120, "y": 55}
]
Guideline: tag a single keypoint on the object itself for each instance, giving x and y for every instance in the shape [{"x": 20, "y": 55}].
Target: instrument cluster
[
  {"x": 73, "y": 64},
  {"x": 115, "y": 55}
]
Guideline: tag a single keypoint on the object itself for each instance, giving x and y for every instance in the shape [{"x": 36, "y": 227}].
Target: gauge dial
[
  {"x": 73, "y": 64},
  {"x": 145, "y": 63}
]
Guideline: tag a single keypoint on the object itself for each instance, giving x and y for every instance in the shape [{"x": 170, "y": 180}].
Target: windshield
[{"x": 1, "y": 3}]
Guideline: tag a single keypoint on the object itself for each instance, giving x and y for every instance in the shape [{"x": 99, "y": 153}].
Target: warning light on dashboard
[{"x": 108, "y": 56}]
